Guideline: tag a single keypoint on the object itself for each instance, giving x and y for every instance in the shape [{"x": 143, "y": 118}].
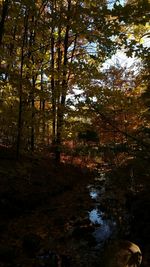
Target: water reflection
[
  {"x": 104, "y": 227},
  {"x": 103, "y": 232},
  {"x": 95, "y": 216},
  {"x": 94, "y": 193}
]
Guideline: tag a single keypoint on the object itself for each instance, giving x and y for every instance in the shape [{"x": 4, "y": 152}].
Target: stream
[
  {"x": 107, "y": 222},
  {"x": 104, "y": 227},
  {"x": 111, "y": 218},
  {"x": 88, "y": 236},
  {"x": 98, "y": 225}
]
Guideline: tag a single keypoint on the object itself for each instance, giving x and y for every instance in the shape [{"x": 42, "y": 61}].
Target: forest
[{"x": 74, "y": 133}]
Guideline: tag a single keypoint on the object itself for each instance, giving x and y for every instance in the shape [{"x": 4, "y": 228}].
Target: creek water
[{"x": 106, "y": 226}]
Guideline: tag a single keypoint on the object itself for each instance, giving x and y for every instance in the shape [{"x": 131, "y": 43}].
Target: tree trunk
[
  {"x": 33, "y": 116},
  {"x": 3, "y": 17},
  {"x": 42, "y": 109},
  {"x": 20, "y": 123},
  {"x": 58, "y": 87},
  {"x": 53, "y": 83},
  {"x": 61, "y": 106}
]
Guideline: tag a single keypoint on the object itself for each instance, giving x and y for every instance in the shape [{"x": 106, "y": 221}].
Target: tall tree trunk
[
  {"x": 61, "y": 106},
  {"x": 42, "y": 109},
  {"x": 34, "y": 77},
  {"x": 58, "y": 87},
  {"x": 3, "y": 17},
  {"x": 33, "y": 116},
  {"x": 53, "y": 81},
  {"x": 20, "y": 122}
]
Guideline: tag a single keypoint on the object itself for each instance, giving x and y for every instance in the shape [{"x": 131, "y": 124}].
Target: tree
[
  {"x": 50, "y": 49},
  {"x": 4, "y": 12},
  {"x": 71, "y": 58}
]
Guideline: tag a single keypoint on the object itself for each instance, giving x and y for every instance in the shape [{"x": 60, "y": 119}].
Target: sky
[
  {"x": 121, "y": 59},
  {"x": 111, "y": 3}
]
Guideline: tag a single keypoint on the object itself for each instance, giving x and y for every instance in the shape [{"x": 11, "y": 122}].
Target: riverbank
[{"x": 42, "y": 206}]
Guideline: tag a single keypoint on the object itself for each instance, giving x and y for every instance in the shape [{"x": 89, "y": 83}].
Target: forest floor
[
  {"x": 44, "y": 214},
  {"x": 41, "y": 205}
]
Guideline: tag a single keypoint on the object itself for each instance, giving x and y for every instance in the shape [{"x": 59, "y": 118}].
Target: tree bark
[
  {"x": 33, "y": 116},
  {"x": 3, "y": 17},
  {"x": 64, "y": 85},
  {"x": 20, "y": 122},
  {"x": 42, "y": 109}
]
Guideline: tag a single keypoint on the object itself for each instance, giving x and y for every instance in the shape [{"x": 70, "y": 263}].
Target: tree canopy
[{"x": 51, "y": 77}]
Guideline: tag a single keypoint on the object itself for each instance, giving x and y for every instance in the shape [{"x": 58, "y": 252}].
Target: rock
[{"x": 123, "y": 254}]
